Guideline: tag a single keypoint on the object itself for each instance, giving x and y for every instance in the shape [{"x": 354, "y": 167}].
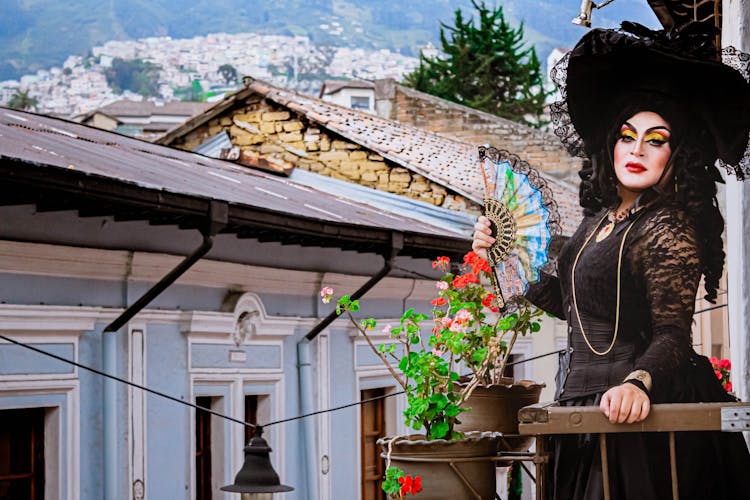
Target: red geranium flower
[
  {"x": 438, "y": 302},
  {"x": 441, "y": 263},
  {"x": 417, "y": 485},
  {"x": 718, "y": 374},
  {"x": 728, "y": 386},
  {"x": 461, "y": 281},
  {"x": 488, "y": 299},
  {"x": 409, "y": 485}
]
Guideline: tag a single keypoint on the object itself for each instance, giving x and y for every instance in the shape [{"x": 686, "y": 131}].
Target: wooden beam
[{"x": 543, "y": 419}]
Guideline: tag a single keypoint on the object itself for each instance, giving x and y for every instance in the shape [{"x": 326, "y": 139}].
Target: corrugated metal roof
[
  {"x": 458, "y": 222},
  {"x": 448, "y": 162},
  {"x": 70, "y": 152}
]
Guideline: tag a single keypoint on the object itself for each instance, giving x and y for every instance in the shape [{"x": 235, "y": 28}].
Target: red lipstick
[{"x": 635, "y": 167}]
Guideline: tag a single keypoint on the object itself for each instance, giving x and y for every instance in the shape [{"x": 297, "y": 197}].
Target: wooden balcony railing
[{"x": 546, "y": 419}]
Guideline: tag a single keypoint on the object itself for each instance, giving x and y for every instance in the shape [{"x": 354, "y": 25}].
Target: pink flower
[
  {"x": 437, "y": 352},
  {"x": 326, "y": 294},
  {"x": 441, "y": 285},
  {"x": 725, "y": 364},
  {"x": 459, "y": 326},
  {"x": 463, "y": 315},
  {"x": 387, "y": 330},
  {"x": 446, "y": 322}
]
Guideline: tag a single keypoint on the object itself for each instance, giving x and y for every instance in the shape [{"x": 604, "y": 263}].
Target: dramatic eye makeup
[
  {"x": 656, "y": 135},
  {"x": 626, "y": 132}
]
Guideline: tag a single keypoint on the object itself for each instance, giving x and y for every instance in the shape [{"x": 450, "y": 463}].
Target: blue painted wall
[{"x": 168, "y": 423}]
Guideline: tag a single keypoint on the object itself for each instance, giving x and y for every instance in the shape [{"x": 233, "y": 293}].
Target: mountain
[{"x": 38, "y": 34}]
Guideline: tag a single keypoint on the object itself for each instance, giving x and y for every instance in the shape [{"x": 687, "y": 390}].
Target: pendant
[{"x": 605, "y": 231}]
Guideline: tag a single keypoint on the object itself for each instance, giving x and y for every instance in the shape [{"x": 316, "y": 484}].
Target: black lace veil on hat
[{"x": 607, "y": 66}]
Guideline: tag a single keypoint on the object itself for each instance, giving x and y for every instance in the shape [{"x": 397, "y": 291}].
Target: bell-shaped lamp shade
[{"x": 257, "y": 474}]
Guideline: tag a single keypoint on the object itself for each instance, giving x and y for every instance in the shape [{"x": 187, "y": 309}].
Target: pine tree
[{"x": 485, "y": 65}]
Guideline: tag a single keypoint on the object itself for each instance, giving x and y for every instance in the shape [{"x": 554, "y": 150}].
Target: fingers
[
  {"x": 625, "y": 403},
  {"x": 645, "y": 408},
  {"x": 482, "y": 237}
]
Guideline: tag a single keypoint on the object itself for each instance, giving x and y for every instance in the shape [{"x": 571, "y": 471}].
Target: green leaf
[
  {"x": 403, "y": 364},
  {"x": 479, "y": 355},
  {"x": 452, "y": 410},
  {"x": 439, "y": 430},
  {"x": 407, "y": 314}
]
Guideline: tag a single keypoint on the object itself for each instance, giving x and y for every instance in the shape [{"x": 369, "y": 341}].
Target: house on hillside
[
  {"x": 142, "y": 119},
  {"x": 355, "y": 94},
  {"x": 93, "y": 219}
]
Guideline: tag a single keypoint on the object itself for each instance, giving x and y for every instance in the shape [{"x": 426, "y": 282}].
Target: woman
[{"x": 627, "y": 279}]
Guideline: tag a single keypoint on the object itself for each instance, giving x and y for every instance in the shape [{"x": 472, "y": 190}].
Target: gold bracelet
[{"x": 642, "y": 376}]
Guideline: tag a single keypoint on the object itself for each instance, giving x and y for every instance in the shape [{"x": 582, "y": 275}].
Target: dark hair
[{"x": 694, "y": 172}]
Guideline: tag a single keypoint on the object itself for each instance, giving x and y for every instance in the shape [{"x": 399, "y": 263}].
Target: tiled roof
[
  {"x": 448, "y": 162},
  {"x": 332, "y": 86},
  {"x": 127, "y": 107}
]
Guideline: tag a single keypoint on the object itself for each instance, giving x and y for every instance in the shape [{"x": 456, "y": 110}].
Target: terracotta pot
[
  {"x": 495, "y": 408},
  {"x": 460, "y": 468}
]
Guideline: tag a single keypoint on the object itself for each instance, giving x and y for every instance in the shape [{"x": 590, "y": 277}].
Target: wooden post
[
  {"x": 673, "y": 468},
  {"x": 605, "y": 464}
]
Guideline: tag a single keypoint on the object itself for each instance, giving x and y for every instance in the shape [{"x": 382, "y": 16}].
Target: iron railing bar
[{"x": 605, "y": 464}]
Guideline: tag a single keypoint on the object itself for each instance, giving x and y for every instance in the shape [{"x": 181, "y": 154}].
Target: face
[{"x": 641, "y": 152}]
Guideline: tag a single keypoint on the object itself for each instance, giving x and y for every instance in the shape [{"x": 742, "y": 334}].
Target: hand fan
[{"x": 523, "y": 217}]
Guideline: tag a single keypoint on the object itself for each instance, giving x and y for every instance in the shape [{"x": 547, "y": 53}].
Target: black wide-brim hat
[{"x": 607, "y": 66}]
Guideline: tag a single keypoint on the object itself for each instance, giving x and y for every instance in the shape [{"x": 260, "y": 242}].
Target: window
[
  {"x": 360, "y": 102},
  {"x": 373, "y": 428},
  {"x": 22, "y": 454},
  {"x": 203, "y": 450},
  {"x": 251, "y": 415}
]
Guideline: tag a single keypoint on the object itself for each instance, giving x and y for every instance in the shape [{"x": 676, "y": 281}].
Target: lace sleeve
[
  {"x": 666, "y": 259},
  {"x": 546, "y": 295}
]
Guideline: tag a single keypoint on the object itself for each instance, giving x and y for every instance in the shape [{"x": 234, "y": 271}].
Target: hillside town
[{"x": 81, "y": 85}]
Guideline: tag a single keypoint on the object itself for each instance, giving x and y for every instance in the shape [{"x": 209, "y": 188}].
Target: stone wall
[
  {"x": 411, "y": 107},
  {"x": 280, "y": 135}
]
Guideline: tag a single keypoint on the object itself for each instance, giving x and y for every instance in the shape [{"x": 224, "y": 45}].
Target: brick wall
[
  {"x": 542, "y": 150},
  {"x": 280, "y": 135}
]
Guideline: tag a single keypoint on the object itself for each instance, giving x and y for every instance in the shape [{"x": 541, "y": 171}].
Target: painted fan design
[{"x": 523, "y": 216}]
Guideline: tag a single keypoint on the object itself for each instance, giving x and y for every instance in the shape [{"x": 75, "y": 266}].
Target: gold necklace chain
[{"x": 619, "y": 269}]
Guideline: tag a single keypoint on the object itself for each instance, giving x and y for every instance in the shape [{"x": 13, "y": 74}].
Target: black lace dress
[{"x": 659, "y": 276}]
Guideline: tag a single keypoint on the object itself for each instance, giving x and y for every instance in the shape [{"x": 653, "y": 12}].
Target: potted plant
[{"x": 466, "y": 330}]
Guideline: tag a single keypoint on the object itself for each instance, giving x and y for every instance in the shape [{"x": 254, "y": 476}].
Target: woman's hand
[
  {"x": 482, "y": 237},
  {"x": 625, "y": 403}
]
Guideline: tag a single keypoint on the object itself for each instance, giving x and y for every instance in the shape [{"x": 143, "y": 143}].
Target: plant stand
[{"x": 463, "y": 468}]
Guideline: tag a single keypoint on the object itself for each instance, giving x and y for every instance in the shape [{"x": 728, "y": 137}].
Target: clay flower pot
[
  {"x": 461, "y": 468},
  {"x": 495, "y": 408}
]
